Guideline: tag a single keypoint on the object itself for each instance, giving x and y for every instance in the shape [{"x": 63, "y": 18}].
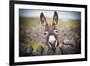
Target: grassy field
[
  {"x": 32, "y": 22},
  {"x": 36, "y": 21}
]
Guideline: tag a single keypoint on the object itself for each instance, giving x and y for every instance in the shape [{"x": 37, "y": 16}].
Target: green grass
[
  {"x": 69, "y": 24},
  {"x": 34, "y": 45},
  {"x": 30, "y": 21}
]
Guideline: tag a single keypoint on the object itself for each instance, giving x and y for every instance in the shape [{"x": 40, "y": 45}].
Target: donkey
[{"x": 50, "y": 31}]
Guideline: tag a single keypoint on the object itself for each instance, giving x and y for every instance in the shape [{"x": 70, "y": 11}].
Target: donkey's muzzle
[{"x": 52, "y": 42}]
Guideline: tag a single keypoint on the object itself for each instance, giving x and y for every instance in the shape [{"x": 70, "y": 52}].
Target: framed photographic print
[{"x": 47, "y": 32}]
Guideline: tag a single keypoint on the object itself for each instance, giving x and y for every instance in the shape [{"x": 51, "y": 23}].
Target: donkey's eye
[
  {"x": 45, "y": 33},
  {"x": 55, "y": 31}
]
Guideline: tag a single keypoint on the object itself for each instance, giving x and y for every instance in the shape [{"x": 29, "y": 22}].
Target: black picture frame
[{"x": 11, "y": 32}]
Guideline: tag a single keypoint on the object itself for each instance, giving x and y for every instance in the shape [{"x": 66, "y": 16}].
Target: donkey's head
[{"x": 50, "y": 31}]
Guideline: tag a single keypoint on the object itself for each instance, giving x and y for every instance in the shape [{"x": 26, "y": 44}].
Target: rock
[
  {"x": 39, "y": 50},
  {"x": 58, "y": 51},
  {"x": 26, "y": 51},
  {"x": 45, "y": 51}
]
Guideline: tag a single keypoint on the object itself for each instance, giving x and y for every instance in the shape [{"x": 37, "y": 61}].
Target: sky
[{"x": 63, "y": 15}]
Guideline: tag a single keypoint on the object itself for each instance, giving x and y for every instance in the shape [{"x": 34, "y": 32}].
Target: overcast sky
[{"x": 63, "y": 15}]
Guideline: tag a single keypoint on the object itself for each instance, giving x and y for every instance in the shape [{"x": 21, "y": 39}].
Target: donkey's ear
[
  {"x": 43, "y": 19},
  {"x": 55, "y": 18}
]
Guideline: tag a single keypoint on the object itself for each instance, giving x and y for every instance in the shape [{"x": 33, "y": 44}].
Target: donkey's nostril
[{"x": 52, "y": 42}]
